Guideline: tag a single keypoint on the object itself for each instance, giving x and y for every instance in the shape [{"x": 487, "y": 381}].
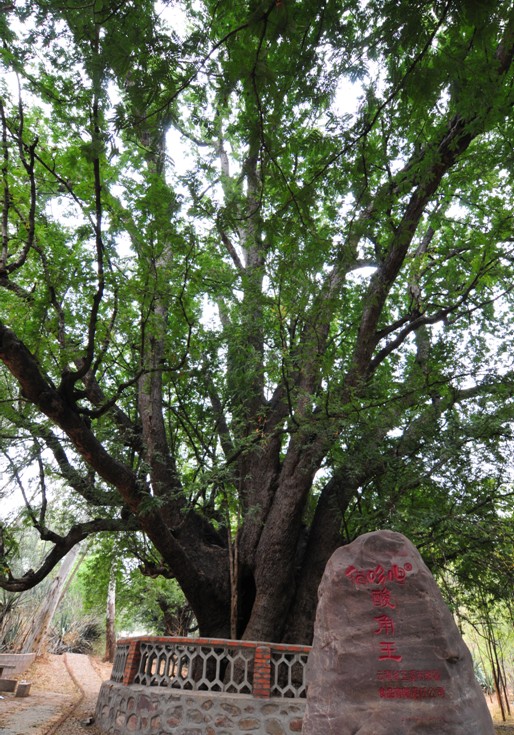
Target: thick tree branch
[
  {"x": 40, "y": 391},
  {"x": 62, "y": 545}
]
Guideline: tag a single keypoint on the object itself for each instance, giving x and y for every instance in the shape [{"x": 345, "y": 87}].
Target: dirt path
[{"x": 63, "y": 695}]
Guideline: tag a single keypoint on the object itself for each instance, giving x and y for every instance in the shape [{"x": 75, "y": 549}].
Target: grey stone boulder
[{"x": 387, "y": 656}]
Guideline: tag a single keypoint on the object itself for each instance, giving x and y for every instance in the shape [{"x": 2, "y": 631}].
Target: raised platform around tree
[{"x": 193, "y": 686}]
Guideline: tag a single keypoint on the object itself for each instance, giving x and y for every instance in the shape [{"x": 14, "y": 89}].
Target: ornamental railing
[
  {"x": 120, "y": 661},
  {"x": 212, "y": 664}
]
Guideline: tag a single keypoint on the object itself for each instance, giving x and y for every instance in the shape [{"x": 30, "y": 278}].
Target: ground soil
[
  {"x": 63, "y": 696},
  {"x": 502, "y": 728}
]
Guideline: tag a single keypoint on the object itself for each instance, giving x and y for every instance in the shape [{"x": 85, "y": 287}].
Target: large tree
[{"x": 256, "y": 273}]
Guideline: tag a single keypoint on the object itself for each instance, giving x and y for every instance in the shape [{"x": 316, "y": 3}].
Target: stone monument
[{"x": 387, "y": 656}]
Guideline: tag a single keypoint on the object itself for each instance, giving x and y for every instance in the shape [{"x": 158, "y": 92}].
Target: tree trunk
[
  {"x": 110, "y": 617},
  {"x": 322, "y": 539},
  {"x": 275, "y": 556},
  {"x": 34, "y": 640}
]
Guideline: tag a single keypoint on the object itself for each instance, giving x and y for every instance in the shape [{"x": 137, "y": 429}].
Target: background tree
[
  {"x": 482, "y": 597},
  {"x": 241, "y": 316},
  {"x": 155, "y": 605}
]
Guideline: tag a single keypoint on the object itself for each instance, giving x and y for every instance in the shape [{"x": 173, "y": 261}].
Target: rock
[{"x": 387, "y": 656}]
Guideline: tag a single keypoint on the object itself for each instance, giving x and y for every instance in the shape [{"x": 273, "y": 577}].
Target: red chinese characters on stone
[
  {"x": 408, "y": 675},
  {"x": 385, "y": 625},
  {"x": 382, "y": 598},
  {"x": 378, "y": 575},
  {"x": 388, "y": 651},
  {"x": 411, "y": 692}
]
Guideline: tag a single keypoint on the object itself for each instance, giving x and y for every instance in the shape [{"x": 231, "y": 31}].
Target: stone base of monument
[{"x": 387, "y": 656}]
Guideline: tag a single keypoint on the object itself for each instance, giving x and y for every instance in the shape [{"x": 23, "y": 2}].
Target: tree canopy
[{"x": 255, "y": 287}]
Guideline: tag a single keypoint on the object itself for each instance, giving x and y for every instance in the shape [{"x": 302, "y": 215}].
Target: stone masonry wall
[{"x": 123, "y": 710}]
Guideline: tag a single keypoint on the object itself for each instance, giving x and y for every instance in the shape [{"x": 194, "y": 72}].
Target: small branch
[
  {"x": 222, "y": 428},
  {"x": 195, "y": 73},
  {"x": 7, "y": 196},
  {"x": 232, "y": 251}
]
